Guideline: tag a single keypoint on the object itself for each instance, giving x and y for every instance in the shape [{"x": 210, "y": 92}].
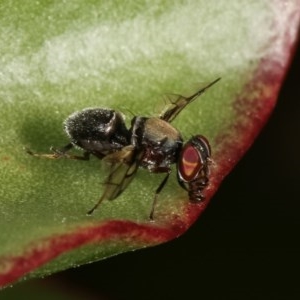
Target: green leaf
[{"x": 57, "y": 58}]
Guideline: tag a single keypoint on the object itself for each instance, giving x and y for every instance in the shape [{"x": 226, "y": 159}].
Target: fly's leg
[
  {"x": 60, "y": 153},
  {"x": 90, "y": 212},
  {"x": 158, "y": 190}
]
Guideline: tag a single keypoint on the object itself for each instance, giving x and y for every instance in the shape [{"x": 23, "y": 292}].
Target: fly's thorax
[
  {"x": 159, "y": 141},
  {"x": 157, "y": 130},
  {"x": 154, "y": 131}
]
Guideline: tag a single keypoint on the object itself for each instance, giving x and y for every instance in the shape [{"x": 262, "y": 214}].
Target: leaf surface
[{"x": 57, "y": 58}]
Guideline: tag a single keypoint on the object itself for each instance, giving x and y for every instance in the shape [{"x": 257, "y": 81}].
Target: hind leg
[{"x": 60, "y": 153}]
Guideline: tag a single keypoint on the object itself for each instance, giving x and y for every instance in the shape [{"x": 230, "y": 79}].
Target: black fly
[{"x": 151, "y": 143}]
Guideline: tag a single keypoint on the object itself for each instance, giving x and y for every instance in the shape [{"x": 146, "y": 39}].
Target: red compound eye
[
  {"x": 193, "y": 158},
  {"x": 190, "y": 163}
]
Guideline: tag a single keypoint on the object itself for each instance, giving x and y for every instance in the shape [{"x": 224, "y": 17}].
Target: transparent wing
[
  {"x": 181, "y": 102},
  {"x": 123, "y": 166}
]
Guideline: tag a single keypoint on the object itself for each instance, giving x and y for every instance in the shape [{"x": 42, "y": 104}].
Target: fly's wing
[
  {"x": 181, "y": 102},
  {"x": 123, "y": 167}
]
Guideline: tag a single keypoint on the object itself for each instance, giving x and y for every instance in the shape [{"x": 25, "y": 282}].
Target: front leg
[
  {"x": 159, "y": 189},
  {"x": 60, "y": 153}
]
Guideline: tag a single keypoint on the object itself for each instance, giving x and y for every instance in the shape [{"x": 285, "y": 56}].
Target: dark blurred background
[{"x": 245, "y": 246}]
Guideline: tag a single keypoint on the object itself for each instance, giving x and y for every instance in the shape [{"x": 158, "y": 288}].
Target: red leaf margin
[{"x": 262, "y": 90}]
